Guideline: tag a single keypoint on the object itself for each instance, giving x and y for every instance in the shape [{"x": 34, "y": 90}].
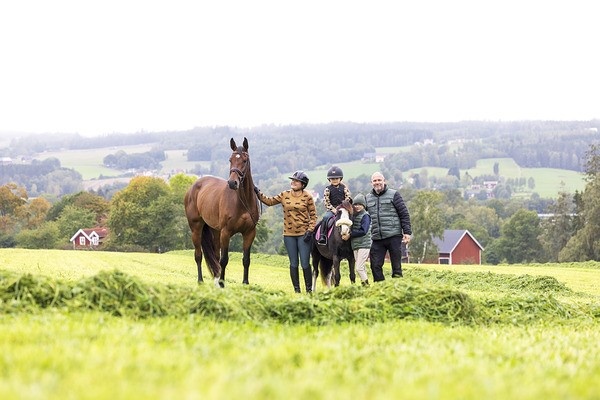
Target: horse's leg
[
  {"x": 326, "y": 271},
  {"x": 336, "y": 271},
  {"x": 197, "y": 241},
  {"x": 352, "y": 265},
  {"x": 315, "y": 262},
  {"x": 247, "y": 246},
  {"x": 224, "y": 261},
  {"x": 224, "y": 246}
]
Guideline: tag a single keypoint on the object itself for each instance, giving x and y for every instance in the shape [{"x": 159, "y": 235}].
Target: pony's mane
[{"x": 346, "y": 205}]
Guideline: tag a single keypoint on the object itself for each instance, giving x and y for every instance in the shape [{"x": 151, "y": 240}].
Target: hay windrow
[
  {"x": 488, "y": 281},
  {"x": 119, "y": 294}
]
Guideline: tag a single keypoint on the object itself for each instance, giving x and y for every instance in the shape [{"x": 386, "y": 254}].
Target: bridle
[
  {"x": 239, "y": 172},
  {"x": 242, "y": 175}
]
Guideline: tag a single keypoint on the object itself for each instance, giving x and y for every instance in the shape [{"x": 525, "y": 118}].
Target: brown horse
[
  {"x": 327, "y": 257},
  {"x": 216, "y": 209}
]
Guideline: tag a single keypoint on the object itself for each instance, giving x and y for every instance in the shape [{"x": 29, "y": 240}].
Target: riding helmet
[
  {"x": 300, "y": 176},
  {"x": 335, "y": 172}
]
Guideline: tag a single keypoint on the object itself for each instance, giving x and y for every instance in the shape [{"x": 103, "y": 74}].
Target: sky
[{"x": 99, "y": 67}]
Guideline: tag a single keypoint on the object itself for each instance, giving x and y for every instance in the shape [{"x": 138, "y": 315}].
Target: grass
[
  {"x": 77, "y": 324},
  {"x": 91, "y": 356}
]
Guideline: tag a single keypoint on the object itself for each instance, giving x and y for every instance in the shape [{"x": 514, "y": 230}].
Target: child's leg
[{"x": 361, "y": 256}]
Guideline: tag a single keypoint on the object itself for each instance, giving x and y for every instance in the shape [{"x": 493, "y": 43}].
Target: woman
[{"x": 299, "y": 220}]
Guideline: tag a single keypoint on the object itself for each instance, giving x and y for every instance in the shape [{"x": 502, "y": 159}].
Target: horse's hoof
[
  {"x": 245, "y": 282},
  {"x": 221, "y": 284}
]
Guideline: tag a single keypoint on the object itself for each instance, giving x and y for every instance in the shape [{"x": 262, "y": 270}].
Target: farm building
[
  {"x": 89, "y": 238},
  {"x": 458, "y": 246}
]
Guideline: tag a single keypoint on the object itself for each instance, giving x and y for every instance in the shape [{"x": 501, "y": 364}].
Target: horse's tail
[{"x": 210, "y": 252}]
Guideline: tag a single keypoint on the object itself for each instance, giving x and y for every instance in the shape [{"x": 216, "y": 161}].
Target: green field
[
  {"x": 548, "y": 181},
  {"x": 88, "y": 162},
  {"x": 100, "y": 325}
]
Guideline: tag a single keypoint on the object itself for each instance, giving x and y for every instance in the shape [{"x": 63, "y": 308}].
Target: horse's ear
[
  {"x": 245, "y": 145},
  {"x": 233, "y": 145}
]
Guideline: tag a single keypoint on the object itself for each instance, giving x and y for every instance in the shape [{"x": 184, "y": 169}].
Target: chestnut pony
[{"x": 217, "y": 209}]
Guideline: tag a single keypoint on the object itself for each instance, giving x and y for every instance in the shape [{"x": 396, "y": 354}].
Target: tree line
[
  {"x": 148, "y": 215},
  {"x": 277, "y": 150}
]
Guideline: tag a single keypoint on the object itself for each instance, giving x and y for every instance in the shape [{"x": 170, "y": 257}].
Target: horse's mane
[{"x": 347, "y": 205}]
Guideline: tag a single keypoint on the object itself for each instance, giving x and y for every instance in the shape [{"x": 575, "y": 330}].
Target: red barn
[
  {"x": 458, "y": 247},
  {"x": 88, "y": 238}
]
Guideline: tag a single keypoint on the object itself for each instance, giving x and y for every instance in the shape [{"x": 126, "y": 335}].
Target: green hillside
[{"x": 548, "y": 181}]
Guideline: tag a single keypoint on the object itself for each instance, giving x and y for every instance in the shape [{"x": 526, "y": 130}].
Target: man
[{"x": 390, "y": 226}]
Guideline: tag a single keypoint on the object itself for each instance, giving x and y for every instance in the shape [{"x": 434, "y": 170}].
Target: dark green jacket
[{"x": 389, "y": 215}]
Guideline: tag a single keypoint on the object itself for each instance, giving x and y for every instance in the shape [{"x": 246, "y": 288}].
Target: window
[
  {"x": 95, "y": 241},
  {"x": 82, "y": 240}
]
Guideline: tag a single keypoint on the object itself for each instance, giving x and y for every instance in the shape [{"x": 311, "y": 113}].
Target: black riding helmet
[
  {"x": 300, "y": 176},
  {"x": 335, "y": 172}
]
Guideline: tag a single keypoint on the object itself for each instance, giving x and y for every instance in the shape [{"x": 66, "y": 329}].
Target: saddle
[{"x": 329, "y": 224}]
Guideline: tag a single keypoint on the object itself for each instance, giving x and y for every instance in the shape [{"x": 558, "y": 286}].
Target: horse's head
[
  {"x": 239, "y": 164},
  {"x": 344, "y": 220},
  {"x": 346, "y": 205}
]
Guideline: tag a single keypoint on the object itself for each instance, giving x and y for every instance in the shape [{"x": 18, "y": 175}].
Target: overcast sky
[{"x": 97, "y": 67}]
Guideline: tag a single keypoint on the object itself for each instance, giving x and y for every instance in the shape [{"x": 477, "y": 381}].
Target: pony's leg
[
  {"x": 352, "y": 266},
  {"x": 337, "y": 276},
  {"x": 326, "y": 269},
  {"x": 315, "y": 275},
  {"x": 316, "y": 258}
]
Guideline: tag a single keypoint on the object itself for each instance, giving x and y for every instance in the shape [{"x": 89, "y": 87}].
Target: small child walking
[{"x": 360, "y": 236}]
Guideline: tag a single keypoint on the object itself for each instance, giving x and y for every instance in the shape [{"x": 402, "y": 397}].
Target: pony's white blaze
[{"x": 344, "y": 222}]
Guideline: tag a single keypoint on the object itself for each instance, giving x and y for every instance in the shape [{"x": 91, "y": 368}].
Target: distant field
[
  {"x": 88, "y": 162},
  {"x": 548, "y": 181},
  {"x": 351, "y": 170},
  {"x": 177, "y": 161}
]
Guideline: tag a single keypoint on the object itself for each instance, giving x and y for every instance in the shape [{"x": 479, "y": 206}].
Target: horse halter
[{"x": 241, "y": 174}]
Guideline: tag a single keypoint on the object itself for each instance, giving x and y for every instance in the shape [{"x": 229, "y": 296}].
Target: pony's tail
[{"x": 210, "y": 253}]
